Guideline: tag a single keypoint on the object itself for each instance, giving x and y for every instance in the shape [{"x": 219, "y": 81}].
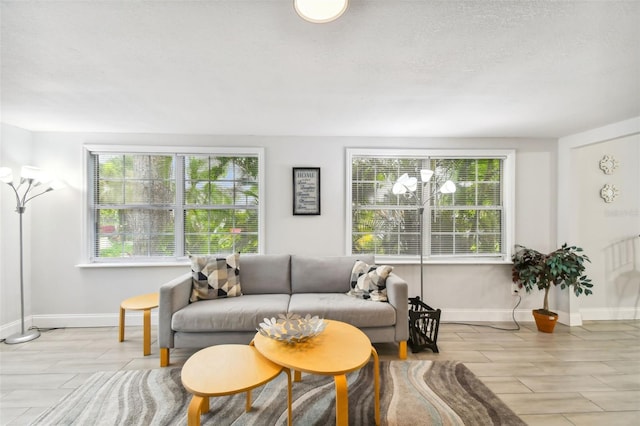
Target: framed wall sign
[{"x": 306, "y": 190}]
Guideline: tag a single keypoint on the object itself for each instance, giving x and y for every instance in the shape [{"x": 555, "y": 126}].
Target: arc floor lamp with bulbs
[
  {"x": 424, "y": 321},
  {"x": 33, "y": 183}
]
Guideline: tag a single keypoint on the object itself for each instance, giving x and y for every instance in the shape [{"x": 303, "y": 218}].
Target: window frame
[
  {"x": 508, "y": 195},
  {"x": 89, "y": 220}
]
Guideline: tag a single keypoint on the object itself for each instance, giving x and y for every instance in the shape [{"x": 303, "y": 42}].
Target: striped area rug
[{"x": 412, "y": 393}]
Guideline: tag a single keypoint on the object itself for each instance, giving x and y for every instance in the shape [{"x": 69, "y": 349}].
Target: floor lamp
[
  {"x": 33, "y": 183},
  {"x": 408, "y": 186}
]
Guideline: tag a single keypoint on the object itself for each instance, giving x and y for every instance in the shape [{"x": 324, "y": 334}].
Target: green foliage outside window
[
  {"x": 221, "y": 197},
  {"x": 467, "y": 222},
  {"x": 136, "y": 203}
]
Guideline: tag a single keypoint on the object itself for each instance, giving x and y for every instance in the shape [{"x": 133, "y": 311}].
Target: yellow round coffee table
[
  {"x": 144, "y": 303},
  {"x": 340, "y": 349},
  {"x": 227, "y": 370}
]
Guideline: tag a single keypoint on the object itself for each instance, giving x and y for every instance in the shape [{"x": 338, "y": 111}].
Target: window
[
  {"x": 162, "y": 205},
  {"x": 474, "y": 224}
]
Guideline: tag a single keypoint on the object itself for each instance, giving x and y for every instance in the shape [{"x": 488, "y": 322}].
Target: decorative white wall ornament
[
  {"x": 608, "y": 164},
  {"x": 609, "y": 193}
]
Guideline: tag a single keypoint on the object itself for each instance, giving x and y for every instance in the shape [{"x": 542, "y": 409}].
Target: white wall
[
  {"x": 67, "y": 295},
  {"x": 607, "y": 232},
  {"x": 15, "y": 151},
  {"x": 615, "y": 250}
]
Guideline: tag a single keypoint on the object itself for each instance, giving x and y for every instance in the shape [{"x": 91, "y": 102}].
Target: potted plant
[{"x": 564, "y": 267}]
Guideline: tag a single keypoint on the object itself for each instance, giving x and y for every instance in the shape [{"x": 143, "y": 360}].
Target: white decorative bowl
[{"x": 292, "y": 328}]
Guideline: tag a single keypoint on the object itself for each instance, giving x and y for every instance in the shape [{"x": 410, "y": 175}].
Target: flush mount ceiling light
[{"x": 320, "y": 11}]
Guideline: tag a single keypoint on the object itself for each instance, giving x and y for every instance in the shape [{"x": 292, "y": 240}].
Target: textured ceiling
[{"x": 385, "y": 68}]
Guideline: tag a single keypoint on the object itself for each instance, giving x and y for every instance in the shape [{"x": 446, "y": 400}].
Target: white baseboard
[
  {"x": 485, "y": 315},
  {"x": 14, "y": 327},
  {"x": 610, "y": 314},
  {"x": 448, "y": 315},
  {"x": 598, "y": 314},
  {"x": 573, "y": 319},
  {"x": 524, "y": 315},
  {"x": 91, "y": 320},
  {"x": 77, "y": 320}
]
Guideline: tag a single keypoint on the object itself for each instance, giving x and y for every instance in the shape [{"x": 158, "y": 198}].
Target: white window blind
[
  {"x": 163, "y": 206},
  {"x": 473, "y": 223},
  {"x": 221, "y": 204}
]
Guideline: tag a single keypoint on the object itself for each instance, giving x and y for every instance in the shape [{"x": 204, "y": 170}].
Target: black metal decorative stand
[{"x": 424, "y": 322}]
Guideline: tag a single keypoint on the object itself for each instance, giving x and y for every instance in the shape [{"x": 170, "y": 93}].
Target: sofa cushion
[
  {"x": 215, "y": 277},
  {"x": 311, "y": 274},
  {"x": 369, "y": 281},
  {"x": 266, "y": 274},
  {"x": 340, "y": 307},
  {"x": 229, "y": 314}
]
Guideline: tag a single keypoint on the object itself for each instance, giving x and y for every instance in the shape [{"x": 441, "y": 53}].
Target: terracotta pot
[{"x": 545, "y": 320}]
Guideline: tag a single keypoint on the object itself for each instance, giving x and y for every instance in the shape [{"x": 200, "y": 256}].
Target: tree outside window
[
  {"x": 470, "y": 223},
  {"x": 171, "y": 205}
]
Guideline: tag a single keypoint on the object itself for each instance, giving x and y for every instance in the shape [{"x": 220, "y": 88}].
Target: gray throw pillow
[
  {"x": 215, "y": 277},
  {"x": 369, "y": 281}
]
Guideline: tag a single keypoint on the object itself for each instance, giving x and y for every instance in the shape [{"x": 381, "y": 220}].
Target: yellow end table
[
  {"x": 227, "y": 370},
  {"x": 144, "y": 303},
  {"x": 340, "y": 349}
]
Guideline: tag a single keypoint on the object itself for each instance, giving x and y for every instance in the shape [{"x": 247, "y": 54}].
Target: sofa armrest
[
  {"x": 174, "y": 296},
  {"x": 398, "y": 295}
]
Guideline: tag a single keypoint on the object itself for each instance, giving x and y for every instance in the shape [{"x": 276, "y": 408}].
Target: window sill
[
  {"x": 401, "y": 261},
  {"x": 132, "y": 264}
]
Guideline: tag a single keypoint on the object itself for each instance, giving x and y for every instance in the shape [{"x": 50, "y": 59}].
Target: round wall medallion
[
  {"x": 608, "y": 164},
  {"x": 609, "y": 193}
]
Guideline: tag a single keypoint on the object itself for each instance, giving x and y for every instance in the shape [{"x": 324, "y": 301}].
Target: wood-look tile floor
[{"x": 587, "y": 375}]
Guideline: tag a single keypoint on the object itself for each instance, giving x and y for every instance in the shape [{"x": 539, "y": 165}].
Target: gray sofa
[{"x": 276, "y": 284}]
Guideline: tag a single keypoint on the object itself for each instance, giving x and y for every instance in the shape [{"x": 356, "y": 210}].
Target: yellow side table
[
  {"x": 243, "y": 369},
  {"x": 144, "y": 303},
  {"x": 340, "y": 349}
]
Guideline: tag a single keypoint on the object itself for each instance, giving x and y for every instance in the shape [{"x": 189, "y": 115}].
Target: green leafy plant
[{"x": 564, "y": 267}]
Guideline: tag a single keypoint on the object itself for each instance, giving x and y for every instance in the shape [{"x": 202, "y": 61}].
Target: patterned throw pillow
[
  {"x": 215, "y": 277},
  {"x": 369, "y": 281}
]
